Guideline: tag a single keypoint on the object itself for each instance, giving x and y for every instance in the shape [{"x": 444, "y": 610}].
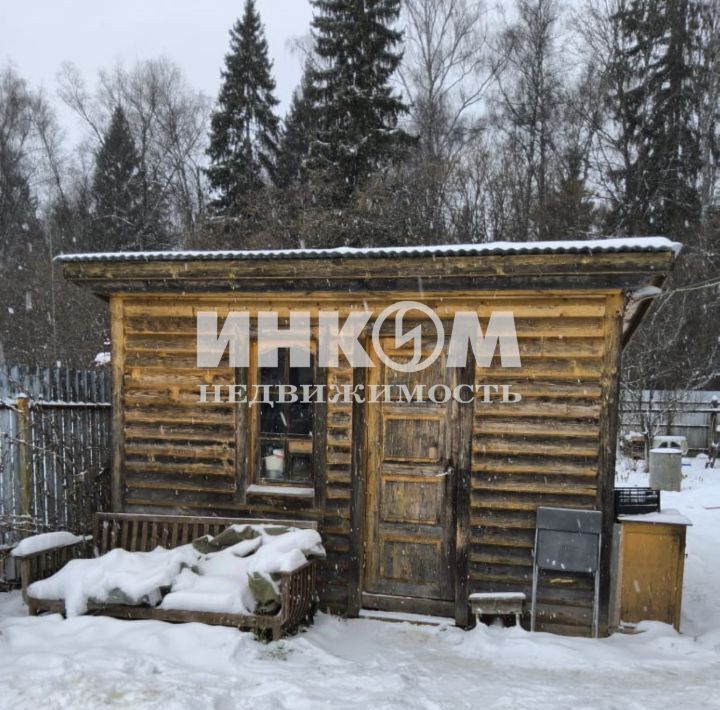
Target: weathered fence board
[{"x": 54, "y": 450}]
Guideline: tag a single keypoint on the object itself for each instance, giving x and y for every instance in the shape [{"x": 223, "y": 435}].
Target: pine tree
[
  {"x": 528, "y": 113},
  {"x": 244, "y": 128},
  {"x": 656, "y": 107},
  {"x": 25, "y": 332},
  {"x": 355, "y": 106},
  {"x": 117, "y": 189},
  {"x": 17, "y": 207},
  {"x": 296, "y": 136}
]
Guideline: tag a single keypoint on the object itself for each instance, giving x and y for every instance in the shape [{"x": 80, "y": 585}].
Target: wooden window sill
[{"x": 289, "y": 491}]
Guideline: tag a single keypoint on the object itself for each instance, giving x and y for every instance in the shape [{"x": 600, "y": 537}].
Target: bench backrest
[{"x": 143, "y": 533}]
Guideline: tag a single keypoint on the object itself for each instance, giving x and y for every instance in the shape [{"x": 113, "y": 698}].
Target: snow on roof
[{"x": 624, "y": 244}]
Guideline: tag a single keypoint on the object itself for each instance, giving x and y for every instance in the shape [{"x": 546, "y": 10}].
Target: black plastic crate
[{"x": 634, "y": 501}]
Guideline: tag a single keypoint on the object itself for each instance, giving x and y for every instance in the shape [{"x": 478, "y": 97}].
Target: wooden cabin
[{"x": 420, "y": 504}]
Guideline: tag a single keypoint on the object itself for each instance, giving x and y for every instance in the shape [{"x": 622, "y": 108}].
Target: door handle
[{"x": 449, "y": 471}]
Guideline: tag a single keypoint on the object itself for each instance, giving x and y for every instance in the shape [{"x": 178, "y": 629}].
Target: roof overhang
[{"x": 629, "y": 265}]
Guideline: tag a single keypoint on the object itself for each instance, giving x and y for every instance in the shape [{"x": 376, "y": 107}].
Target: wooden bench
[
  {"x": 497, "y": 604},
  {"x": 143, "y": 533}
]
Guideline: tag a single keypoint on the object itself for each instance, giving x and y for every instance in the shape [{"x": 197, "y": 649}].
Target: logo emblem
[{"x": 399, "y": 311}]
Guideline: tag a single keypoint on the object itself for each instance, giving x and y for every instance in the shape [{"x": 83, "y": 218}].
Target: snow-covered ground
[{"x": 88, "y": 662}]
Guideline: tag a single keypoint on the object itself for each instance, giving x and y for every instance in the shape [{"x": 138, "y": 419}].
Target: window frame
[{"x": 254, "y": 483}]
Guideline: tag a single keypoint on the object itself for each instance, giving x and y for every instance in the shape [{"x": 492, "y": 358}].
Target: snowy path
[{"x": 95, "y": 663}]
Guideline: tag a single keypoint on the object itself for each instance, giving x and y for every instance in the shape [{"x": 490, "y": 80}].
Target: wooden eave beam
[{"x": 624, "y": 270}]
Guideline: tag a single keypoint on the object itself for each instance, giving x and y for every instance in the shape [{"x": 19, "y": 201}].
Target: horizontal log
[
  {"x": 148, "y": 415},
  {"x": 532, "y": 429},
  {"x": 133, "y": 483},
  {"x": 338, "y": 458},
  {"x": 170, "y": 469},
  {"x": 338, "y": 508},
  {"x": 488, "y": 500},
  {"x": 481, "y": 520},
  {"x": 536, "y": 408},
  {"x": 520, "y": 574},
  {"x": 533, "y": 465},
  {"x": 549, "y": 348},
  {"x": 501, "y": 558},
  {"x": 140, "y": 376},
  {"x": 481, "y": 480},
  {"x": 334, "y": 570},
  {"x": 342, "y": 477},
  {"x": 336, "y": 546},
  {"x": 212, "y": 481},
  {"x": 496, "y": 446},
  {"x": 532, "y": 488},
  {"x": 338, "y": 441},
  {"x": 168, "y": 360},
  {"x": 342, "y": 467},
  {"x": 137, "y": 433},
  {"x": 343, "y": 494},
  {"x": 221, "y": 454},
  {"x": 550, "y": 617},
  {"x": 484, "y": 577},
  {"x": 568, "y": 370},
  {"x": 204, "y": 504},
  {"x": 167, "y": 314},
  {"x": 524, "y": 538},
  {"x": 541, "y": 389},
  {"x": 586, "y": 332},
  {"x": 163, "y": 398}
]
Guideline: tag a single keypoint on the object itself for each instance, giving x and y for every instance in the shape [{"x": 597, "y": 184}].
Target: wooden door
[{"x": 410, "y": 478}]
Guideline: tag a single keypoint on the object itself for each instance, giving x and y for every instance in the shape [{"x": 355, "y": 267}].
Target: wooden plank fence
[
  {"x": 54, "y": 452},
  {"x": 692, "y": 414}
]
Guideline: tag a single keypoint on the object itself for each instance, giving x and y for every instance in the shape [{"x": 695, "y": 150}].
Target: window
[{"x": 284, "y": 430}]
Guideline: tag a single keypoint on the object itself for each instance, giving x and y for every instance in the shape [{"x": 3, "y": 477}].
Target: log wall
[
  {"x": 548, "y": 450},
  {"x": 174, "y": 454}
]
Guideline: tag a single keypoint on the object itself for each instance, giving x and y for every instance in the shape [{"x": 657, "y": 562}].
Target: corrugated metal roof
[{"x": 625, "y": 244}]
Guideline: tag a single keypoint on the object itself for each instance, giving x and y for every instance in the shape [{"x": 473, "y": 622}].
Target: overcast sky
[{"x": 38, "y": 35}]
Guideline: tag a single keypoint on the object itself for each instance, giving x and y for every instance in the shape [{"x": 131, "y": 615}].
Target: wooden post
[
  {"x": 242, "y": 438},
  {"x": 610, "y": 383},
  {"x": 712, "y": 425},
  {"x": 464, "y": 435},
  {"x": 117, "y": 362},
  {"x": 357, "y": 501},
  {"x": 22, "y": 404},
  {"x": 320, "y": 415}
]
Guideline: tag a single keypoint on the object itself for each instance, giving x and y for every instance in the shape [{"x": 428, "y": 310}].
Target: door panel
[
  {"x": 405, "y": 559},
  {"x": 404, "y": 500},
  {"x": 412, "y": 440},
  {"x": 409, "y": 518}
]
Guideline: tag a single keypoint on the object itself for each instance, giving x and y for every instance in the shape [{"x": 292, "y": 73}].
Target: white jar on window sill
[{"x": 275, "y": 464}]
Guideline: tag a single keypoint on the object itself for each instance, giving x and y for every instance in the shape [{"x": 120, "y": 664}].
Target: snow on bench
[
  {"x": 233, "y": 577},
  {"x": 45, "y": 541}
]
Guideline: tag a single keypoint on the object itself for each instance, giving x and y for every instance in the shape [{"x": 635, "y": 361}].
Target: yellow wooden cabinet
[{"x": 651, "y": 564}]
